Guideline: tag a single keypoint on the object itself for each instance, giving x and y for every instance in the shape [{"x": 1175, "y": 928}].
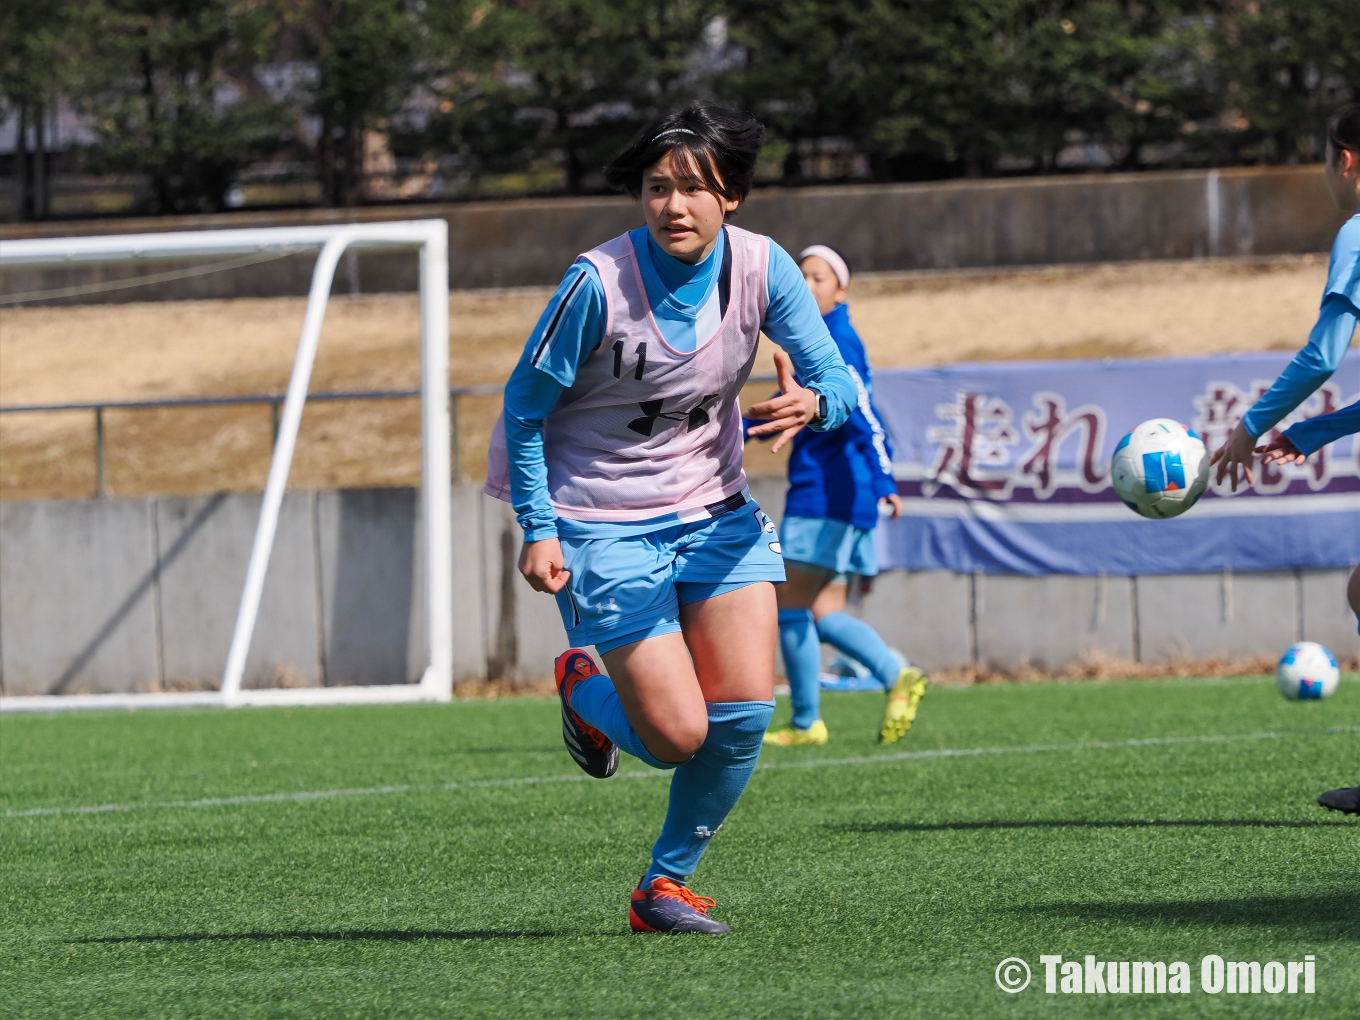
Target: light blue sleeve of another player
[
  {"x": 1310, "y": 368},
  {"x": 793, "y": 322},
  {"x": 1343, "y": 271},
  {"x": 1315, "y": 433},
  {"x": 568, "y": 330},
  {"x": 1327, "y": 342}
]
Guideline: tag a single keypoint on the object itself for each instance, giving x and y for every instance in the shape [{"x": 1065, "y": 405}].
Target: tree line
[{"x": 188, "y": 92}]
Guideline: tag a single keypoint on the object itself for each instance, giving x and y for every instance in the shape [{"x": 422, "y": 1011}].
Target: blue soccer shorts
[
  {"x": 631, "y": 587},
  {"x": 836, "y": 546}
]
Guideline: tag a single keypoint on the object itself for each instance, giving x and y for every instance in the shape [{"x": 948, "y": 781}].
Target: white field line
[{"x": 482, "y": 784}]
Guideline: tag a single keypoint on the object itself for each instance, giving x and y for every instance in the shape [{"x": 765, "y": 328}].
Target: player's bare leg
[
  {"x": 661, "y": 695},
  {"x": 702, "y": 698}
]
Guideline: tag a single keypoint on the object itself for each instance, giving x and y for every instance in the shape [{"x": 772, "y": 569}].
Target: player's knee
[
  {"x": 691, "y": 738},
  {"x": 680, "y": 739},
  {"x": 1353, "y": 592}
]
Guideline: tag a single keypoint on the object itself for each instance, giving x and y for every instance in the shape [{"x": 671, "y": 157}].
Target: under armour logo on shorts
[{"x": 651, "y": 413}]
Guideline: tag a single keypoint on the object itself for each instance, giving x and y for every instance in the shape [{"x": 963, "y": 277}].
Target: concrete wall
[
  {"x": 958, "y": 224},
  {"x": 141, "y": 594}
]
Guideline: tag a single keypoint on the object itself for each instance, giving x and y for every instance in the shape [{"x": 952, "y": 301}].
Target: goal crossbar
[{"x": 429, "y": 238}]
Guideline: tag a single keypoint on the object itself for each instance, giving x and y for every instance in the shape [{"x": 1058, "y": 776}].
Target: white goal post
[{"x": 430, "y": 239}]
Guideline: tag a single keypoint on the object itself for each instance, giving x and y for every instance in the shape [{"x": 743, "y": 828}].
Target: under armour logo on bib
[{"x": 652, "y": 413}]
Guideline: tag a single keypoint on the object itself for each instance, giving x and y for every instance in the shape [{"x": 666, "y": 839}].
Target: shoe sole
[
  {"x": 611, "y": 761},
  {"x": 1344, "y": 811},
  {"x": 573, "y": 742},
  {"x": 641, "y": 927},
  {"x": 794, "y": 743}
]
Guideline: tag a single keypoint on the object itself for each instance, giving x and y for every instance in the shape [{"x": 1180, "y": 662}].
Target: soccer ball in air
[
  {"x": 1307, "y": 672},
  {"x": 1160, "y": 469}
]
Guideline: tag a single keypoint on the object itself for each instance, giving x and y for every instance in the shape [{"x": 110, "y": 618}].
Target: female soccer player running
[
  {"x": 1313, "y": 365},
  {"x": 624, "y": 447},
  {"x": 837, "y": 478}
]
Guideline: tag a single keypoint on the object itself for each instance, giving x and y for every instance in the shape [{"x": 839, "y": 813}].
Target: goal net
[{"x": 429, "y": 240}]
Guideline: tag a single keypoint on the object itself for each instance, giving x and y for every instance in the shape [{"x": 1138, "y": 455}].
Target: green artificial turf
[{"x": 865, "y": 884}]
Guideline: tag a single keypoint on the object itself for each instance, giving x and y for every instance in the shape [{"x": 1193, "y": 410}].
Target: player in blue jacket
[
  {"x": 837, "y": 479},
  {"x": 1313, "y": 365}
]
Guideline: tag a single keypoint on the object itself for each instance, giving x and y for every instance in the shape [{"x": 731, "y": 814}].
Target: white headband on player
[{"x": 829, "y": 256}]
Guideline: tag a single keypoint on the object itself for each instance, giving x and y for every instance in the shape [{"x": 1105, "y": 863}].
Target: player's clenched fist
[{"x": 541, "y": 564}]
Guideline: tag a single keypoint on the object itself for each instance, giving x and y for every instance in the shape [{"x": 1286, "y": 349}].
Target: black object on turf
[{"x": 1345, "y": 800}]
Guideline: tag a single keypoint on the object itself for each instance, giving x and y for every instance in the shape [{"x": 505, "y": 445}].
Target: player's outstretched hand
[
  {"x": 1235, "y": 455},
  {"x": 895, "y": 504},
  {"x": 1281, "y": 450},
  {"x": 788, "y": 410},
  {"x": 541, "y": 564}
]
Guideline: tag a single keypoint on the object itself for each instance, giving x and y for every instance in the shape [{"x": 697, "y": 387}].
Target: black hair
[
  {"x": 1343, "y": 130},
  {"x": 720, "y": 145}
]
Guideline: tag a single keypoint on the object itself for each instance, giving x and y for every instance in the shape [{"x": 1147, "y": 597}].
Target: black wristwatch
[{"x": 821, "y": 407}]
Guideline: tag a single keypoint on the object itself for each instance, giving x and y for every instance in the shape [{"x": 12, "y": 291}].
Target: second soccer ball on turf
[
  {"x": 1307, "y": 672},
  {"x": 1160, "y": 469}
]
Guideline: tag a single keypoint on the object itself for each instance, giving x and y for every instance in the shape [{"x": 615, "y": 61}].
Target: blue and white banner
[{"x": 1004, "y": 467}]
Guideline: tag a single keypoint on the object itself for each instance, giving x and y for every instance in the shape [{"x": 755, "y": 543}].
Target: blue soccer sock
[
  {"x": 595, "y": 700},
  {"x": 705, "y": 788},
  {"x": 861, "y": 642},
  {"x": 802, "y": 664}
]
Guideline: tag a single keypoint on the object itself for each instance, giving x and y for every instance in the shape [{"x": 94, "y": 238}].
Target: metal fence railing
[{"x": 273, "y": 400}]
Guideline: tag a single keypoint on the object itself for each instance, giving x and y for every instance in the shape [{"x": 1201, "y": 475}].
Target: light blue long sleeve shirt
[
  {"x": 572, "y": 327},
  {"x": 1328, "y": 341},
  {"x": 1315, "y": 433}
]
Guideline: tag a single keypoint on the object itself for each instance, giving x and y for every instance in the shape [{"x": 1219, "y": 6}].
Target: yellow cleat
[
  {"x": 791, "y": 736},
  {"x": 902, "y": 701}
]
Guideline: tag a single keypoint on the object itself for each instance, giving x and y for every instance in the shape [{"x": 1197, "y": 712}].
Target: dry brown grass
[
  {"x": 212, "y": 348},
  {"x": 1099, "y": 666},
  {"x": 494, "y": 690},
  {"x": 1147, "y": 309}
]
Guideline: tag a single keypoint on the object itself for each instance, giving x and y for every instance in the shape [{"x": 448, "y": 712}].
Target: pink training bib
[{"x": 645, "y": 430}]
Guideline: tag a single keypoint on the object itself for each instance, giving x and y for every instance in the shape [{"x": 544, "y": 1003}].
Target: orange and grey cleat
[
  {"x": 588, "y": 747},
  {"x": 668, "y": 906}
]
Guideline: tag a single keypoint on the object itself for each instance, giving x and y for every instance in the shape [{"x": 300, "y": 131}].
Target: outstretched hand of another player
[
  {"x": 788, "y": 410},
  {"x": 1282, "y": 451},
  {"x": 541, "y": 564},
  {"x": 1235, "y": 455}
]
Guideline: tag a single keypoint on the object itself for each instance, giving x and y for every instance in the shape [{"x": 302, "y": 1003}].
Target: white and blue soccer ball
[
  {"x": 1160, "y": 469},
  {"x": 1307, "y": 672}
]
